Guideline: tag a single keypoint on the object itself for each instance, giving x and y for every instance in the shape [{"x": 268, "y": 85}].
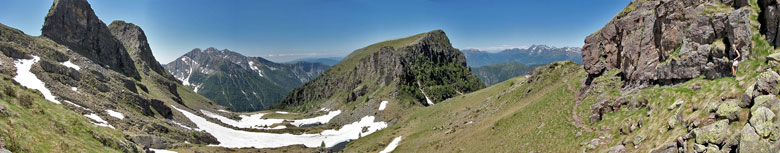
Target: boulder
[
  {"x": 768, "y": 101},
  {"x": 750, "y": 142},
  {"x": 739, "y": 31},
  {"x": 714, "y": 133},
  {"x": 747, "y": 98},
  {"x": 728, "y": 109},
  {"x": 766, "y": 83},
  {"x": 761, "y": 120}
]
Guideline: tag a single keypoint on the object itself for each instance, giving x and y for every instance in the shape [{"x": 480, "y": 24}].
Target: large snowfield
[{"x": 232, "y": 138}]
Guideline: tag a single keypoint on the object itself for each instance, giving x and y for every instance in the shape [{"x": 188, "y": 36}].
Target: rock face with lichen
[
  {"x": 73, "y": 23},
  {"x": 666, "y": 42}
]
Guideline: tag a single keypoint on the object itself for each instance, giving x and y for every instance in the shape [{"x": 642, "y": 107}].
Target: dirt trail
[{"x": 577, "y": 121}]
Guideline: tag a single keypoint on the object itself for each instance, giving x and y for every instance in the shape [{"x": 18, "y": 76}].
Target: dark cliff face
[
  {"x": 134, "y": 39},
  {"x": 73, "y": 23},
  {"x": 422, "y": 63},
  {"x": 664, "y": 42}
]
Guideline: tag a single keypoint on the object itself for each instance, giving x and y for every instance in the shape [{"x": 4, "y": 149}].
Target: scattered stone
[
  {"x": 711, "y": 107},
  {"x": 617, "y": 149},
  {"x": 714, "y": 133},
  {"x": 670, "y": 147},
  {"x": 761, "y": 121},
  {"x": 674, "y": 120},
  {"x": 675, "y": 104},
  {"x": 728, "y": 109},
  {"x": 638, "y": 139}
]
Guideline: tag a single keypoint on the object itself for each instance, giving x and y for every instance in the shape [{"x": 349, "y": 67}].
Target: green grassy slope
[
  {"x": 29, "y": 123},
  {"x": 521, "y": 114}
]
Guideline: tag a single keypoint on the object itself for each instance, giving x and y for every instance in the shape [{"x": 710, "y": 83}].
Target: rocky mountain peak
[
  {"x": 134, "y": 39},
  {"x": 73, "y": 23}
]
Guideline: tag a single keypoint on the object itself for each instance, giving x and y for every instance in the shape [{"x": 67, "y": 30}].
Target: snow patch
[
  {"x": 70, "y": 65},
  {"x": 222, "y": 110},
  {"x": 74, "y": 104},
  {"x": 115, "y": 114},
  {"x": 281, "y": 112},
  {"x": 393, "y": 144},
  {"x": 98, "y": 121},
  {"x": 74, "y": 89},
  {"x": 231, "y": 138},
  {"x": 319, "y": 119},
  {"x": 428, "y": 100},
  {"x": 162, "y": 151},
  {"x": 251, "y": 121},
  {"x": 184, "y": 126},
  {"x": 383, "y": 105},
  {"x": 254, "y": 68},
  {"x": 29, "y": 80}
]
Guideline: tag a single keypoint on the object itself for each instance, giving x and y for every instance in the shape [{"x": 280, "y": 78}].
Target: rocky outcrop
[
  {"x": 422, "y": 63},
  {"x": 134, "y": 40},
  {"x": 769, "y": 17},
  {"x": 73, "y": 23},
  {"x": 665, "y": 42}
]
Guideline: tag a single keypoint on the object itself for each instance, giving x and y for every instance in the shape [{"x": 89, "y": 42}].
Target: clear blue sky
[{"x": 282, "y": 30}]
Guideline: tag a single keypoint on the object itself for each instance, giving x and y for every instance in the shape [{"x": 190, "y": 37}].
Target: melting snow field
[
  {"x": 115, "y": 114},
  {"x": 29, "y": 80},
  {"x": 252, "y": 121},
  {"x": 393, "y": 144},
  {"x": 70, "y": 65},
  {"x": 383, "y": 105},
  {"x": 319, "y": 119},
  {"x": 98, "y": 121},
  {"x": 238, "y": 139}
]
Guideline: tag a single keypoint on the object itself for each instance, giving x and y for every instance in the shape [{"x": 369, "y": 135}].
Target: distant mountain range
[
  {"x": 536, "y": 54},
  {"x": 239, "y": 82},
  {"x": 330, "y": 61}
]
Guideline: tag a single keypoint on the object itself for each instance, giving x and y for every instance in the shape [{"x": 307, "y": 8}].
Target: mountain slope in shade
[
  {"x": 239, "y": 82},
  {"x": 325, "y": 60},
  {"x": 536, "y": 54},
  {"x": 497, "y": 73}
]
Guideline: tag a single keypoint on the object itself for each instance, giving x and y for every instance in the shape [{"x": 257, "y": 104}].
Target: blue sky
[{"x": 282, "y": 30}]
